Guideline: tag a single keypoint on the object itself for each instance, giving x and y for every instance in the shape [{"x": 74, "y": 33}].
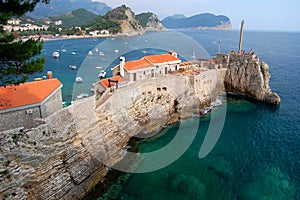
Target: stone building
[
  {"x": 147, "y": 67},
  {"x": 21, "y": 105}
]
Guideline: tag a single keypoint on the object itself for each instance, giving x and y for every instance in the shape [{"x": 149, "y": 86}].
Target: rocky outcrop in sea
[{"x": 247, "y": 76}]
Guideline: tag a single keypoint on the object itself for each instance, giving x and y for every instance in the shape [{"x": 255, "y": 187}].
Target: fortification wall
[{"x": 63, "y": 158}]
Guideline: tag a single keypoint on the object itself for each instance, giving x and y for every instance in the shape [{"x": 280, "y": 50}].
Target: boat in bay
[
  {"x": 55, "y": 54},
  {"x": 79, "y": 79},
  {"x": 102, "y": 74}
]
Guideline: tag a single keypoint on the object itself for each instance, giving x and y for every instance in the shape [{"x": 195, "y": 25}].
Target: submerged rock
[
  {"x": 189, "y": 186},
  {"x": 268, "y": 183}
]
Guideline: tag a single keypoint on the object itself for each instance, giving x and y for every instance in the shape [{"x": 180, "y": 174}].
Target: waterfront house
[
  {"x": 21, "y": 105},
  {"x": 148, "y": 66}
]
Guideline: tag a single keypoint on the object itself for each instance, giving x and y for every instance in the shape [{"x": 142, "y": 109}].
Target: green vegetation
[
  {"x": 77, "y": 17},
  {"x": 18, "y": 58},
  {"x": 144, "y": 18},
  {"x": 110, "y": 21},
  {"x": 117, "y": 13},
  {"x": 204, "y": 20},
  {"x": 102, "y": 23}
]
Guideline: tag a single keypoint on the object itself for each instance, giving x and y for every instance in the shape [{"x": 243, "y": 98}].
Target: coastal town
[{"x": 20, "y": 27}]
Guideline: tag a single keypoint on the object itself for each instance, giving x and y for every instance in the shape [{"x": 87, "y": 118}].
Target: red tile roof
[
  {"x": 27, "y": 93},
  {"x": 156, "y": 59},
  {"x": 137, "y": 64},
  {"x": 149, "y": 61},
  {"x": 115, "y": 78}
]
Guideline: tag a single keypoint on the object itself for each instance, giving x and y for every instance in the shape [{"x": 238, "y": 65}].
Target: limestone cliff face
[
  {"x": 132, "y": 24},
  {"x": 150, "y": 22},
  {"x": 247, "y": 76},
  {"x": 222, "y": 26},
  {"x": 72, "y": 152}
]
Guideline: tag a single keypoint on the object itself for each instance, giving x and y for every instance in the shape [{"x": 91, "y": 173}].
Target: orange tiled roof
[
  {"x": 155, "y": 59},
  {"x": 137, "y": 64},
  {"x": 27, "y": 93},
  {"x": 115, "y": 78}
]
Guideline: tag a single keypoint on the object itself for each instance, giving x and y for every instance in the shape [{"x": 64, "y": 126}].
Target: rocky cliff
[
  {"x": 132, "y": 24},
  {"x": 150, "y": 22},
  {"x": 74, "y": 148},
  {"x": 247, "y": 76}
]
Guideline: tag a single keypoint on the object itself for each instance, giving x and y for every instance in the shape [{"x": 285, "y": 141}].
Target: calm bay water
[{"x": 258, "y": 153}]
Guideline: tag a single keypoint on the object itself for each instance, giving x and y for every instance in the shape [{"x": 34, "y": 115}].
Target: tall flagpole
[{"x": 241, "y": 37}]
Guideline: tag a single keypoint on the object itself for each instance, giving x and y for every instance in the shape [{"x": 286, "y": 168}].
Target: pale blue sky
[{"x": 258, "y": 14}]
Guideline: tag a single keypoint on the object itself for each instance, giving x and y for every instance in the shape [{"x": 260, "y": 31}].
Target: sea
[{"x": 257, "y": 154}]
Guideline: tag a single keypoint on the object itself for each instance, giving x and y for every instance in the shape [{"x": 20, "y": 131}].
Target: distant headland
[{"x": 205, "y": 21}]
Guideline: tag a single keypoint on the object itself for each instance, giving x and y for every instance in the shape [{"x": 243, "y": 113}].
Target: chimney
[
  {"x": 173, "y": 53},
  {"x": 49, "y": 74},
  {"x": 122, "y": 65}
]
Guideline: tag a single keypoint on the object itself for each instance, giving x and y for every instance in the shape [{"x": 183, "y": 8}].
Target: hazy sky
[{"x": 258, "y": 14}]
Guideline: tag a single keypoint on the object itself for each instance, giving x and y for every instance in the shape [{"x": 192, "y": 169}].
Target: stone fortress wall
[{"x": 63, "y": 158}]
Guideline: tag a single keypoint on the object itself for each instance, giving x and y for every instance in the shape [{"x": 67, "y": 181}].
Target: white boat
[
  {"x": 102, "y": 74},
  {"x": 82, "y": 95},
  {"x": 78, "y": 79},
  {"x": 73, "y": 53},
  {"x": 144, "y": 52},
  {"x": 72, "y": 67},
  {"x": 116, "y": 51},
  {"x": 101, "y": 53},
  {"x": 90, "y": 53},
  {"x": 96, "y": 49},
  {"x": 55, "y": 54},
  {"x": 207, "y": 109},
  {"x": 217, "y": 103},
  {"x": 63, "y": 50}
]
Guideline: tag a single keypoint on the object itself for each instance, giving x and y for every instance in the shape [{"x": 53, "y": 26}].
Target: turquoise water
[{"x": 258, "y": 153}]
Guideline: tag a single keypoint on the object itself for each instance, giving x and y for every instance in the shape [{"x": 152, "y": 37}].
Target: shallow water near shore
[{"x": 258, "y": 153}]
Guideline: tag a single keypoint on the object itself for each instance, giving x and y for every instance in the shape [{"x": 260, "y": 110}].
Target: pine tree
[{"x": 18, "y": 58}]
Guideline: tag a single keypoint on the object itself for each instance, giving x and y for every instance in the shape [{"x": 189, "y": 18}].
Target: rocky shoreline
[{"x": 73, "y": 150}]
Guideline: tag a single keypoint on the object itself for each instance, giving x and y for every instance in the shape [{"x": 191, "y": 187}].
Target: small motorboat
[
  {"x": 207, "y": 110},
  {"x": 82, "y": 95},
  {"x": 73, "y": 67},
  {"x": 116, "y": 51},
  {"x": 73, "y": 53},
  {"x": 79, "y": 79},
  {"x": 217, "y": 103},
  {"x": 55, "y": 54},
  {"x": 102, "y": 74},
  {"x": 101, "y": 53},
  {"x": 90, "y": 53}
]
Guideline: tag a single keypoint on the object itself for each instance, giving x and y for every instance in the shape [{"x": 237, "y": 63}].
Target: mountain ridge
[
  {"x": 199, "y": 21},
  {"x": 59, "y": 7},
  {"x": 78, "y": 17}
]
